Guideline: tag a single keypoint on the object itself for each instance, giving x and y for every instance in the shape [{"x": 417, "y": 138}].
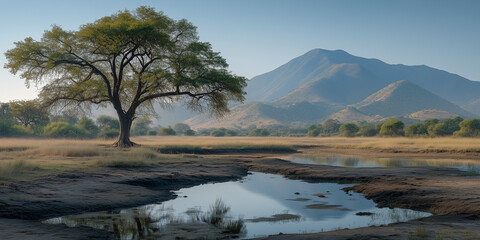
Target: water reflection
[
  {"x": 359, "y": 162},
  {"x": 154, "y": 222},
  {"x": 259, "y": 205}
]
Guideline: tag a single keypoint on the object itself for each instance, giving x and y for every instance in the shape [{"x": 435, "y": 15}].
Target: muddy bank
[
  {"x": 436, "y": 227},
  {"x": 15, "y": 229},
  {"x": 107, "y": 189},
  {"x": 438, "y": 190}
]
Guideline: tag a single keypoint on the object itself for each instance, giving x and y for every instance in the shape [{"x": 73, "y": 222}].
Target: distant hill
[
  {"x": 339, "y": 84},
  {"x": 430, "y": 114},
  {"x": 323, "y": 83},
  {"x": 262, "y": 114},
  {"x": 318, "y": 63},
  {"x": 352, "y": 114},
  {"x": 404, "y": 97},
  {"x": 400, "y": 99}
]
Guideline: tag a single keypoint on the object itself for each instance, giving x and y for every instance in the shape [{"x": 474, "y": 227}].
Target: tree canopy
[{"x": 129, "y": 60}]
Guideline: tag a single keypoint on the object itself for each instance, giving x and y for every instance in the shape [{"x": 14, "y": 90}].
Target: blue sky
[{"x": 256, "y": 36}]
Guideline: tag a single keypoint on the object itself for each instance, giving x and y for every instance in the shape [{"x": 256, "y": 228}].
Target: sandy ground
[{"x": 451, "y": 194}]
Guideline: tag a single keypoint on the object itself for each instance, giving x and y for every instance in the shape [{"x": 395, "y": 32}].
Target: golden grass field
[{"x": 24, "y": 159}]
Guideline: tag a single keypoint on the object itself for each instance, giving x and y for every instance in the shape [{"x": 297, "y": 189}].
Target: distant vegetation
[{"x": 17, "y": 120}]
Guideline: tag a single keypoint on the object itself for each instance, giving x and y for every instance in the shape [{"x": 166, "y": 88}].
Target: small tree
[
  {"x": 107, "y": 123},
  {"x": 63, "y": 130},
  {"x": 416, "y": 129},
  {"x": 259, "y": 132},
  {"x": 378, "y": 127},
  {"x": 330, "y": 126},
  {"x": 69, "y": 115},
  {"x": 469, "y": 128},
  {"x": 231, "y": 132},
  {"x": 129, "y": 60},
  {"x": 349, "y": 129},
  {"x": 314, "y": 130},
  {"x": 168, "y": 131},
  {"x": 219, "y": 132},
  {"x": 367, "y": 130},
  {"x": 88, "y": 126},
  {"x": 30, "y": 114},
  {"x": 445, "y": 127},
  {"x": 392, "y": 127},
  {"x": 189, "y": 132},
  {"x": 141, "y": 126},
  {"x": 180, "y": 128}
]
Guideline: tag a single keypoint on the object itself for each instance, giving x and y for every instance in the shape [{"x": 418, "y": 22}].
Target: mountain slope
[
  {"x": 263, "y": 114},
  {"x": 402, "y": 98},
  {"x": 316, "y": 63},
  {"x": 343, "y": 84}
]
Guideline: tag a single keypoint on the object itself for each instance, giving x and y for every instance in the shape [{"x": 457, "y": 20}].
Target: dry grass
[
  {"x": 401, "y": 144},
  {"x": 16, "y": 169},
  {"x": 30, "y": 158}
]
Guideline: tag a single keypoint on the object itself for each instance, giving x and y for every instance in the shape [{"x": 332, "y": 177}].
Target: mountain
[
  {"x": 351, "y": 114},
  {"x": 319, "y": 63},
  {"x": 324, "y": 83},
  {"x": 400, "y": 99},
  {"x": 404, "y": 97},
  {"x": 341, "y": 84}
]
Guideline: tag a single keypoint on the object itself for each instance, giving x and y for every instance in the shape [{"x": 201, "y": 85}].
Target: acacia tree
[
  {"x": 29, "y": 113},
  {"x": 129, "y": 60}
]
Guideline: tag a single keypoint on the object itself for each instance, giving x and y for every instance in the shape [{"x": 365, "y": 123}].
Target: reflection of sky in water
[
  {"x": 264, "y": 195},
  {"x": 359, "y": 162}
]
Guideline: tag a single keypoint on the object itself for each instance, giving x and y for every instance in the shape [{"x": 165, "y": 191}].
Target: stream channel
[
  {"x": 258, "y": 205},
  {"x": 338, "y": 160}
]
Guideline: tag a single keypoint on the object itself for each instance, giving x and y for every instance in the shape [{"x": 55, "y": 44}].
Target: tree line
[
  {"x": 30, "y": 118},
  {"x": 457, "y": 126}
]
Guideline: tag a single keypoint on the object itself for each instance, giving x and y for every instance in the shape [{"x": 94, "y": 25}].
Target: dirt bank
[{"x": 441, "y": 191}]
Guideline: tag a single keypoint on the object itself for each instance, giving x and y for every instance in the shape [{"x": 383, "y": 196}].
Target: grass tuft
[
  {"x": 70, "y": 151},
  {"x": 13, "y": 169}
]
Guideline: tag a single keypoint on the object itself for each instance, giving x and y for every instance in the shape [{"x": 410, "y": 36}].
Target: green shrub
[
  {"x": 469, "y": 128},
  {"x": 63, "y": 130},
  {"x": 367, "y": 130},
  {"x": 445, "y": 127},
  {"x": 314, "y": 130},
  {"x": 416, "y": 129},
  {"x": 219, "y": 132},
  {"x": 378, "y": 127},
  {"x": 88, "y": 126},
  {"x": 141, "y": 126},
  {"x": 259, "y": 132},
  {"x": 152, "y": 133},
  {"x": 392, "y": 127},
  {"x": 6, "y": 127},
  {"x": 189, "y": 132},
  {"x": 168, "y": 131},
  {"x": 330, "y": 127},
  {"x": 106, "y": 122},
  {"x": 349, "y": 129},
  {"x": 204, "y": 132},
  {"x": 181, "y": 128},
  {"x": 231, "y": 133},
  {"x": 109, "y": 133}
]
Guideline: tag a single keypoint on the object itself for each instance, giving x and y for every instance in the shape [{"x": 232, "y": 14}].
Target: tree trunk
[{"x": 123, "y": 140}]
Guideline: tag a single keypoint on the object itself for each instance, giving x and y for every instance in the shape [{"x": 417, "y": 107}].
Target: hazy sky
[{"x": 256, "y": 36}]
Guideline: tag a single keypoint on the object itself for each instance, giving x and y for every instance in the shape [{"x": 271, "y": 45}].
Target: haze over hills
[
  {"x": 313, "y": 65},
  {"x": 336, "y": 84},
  {"x": 261, "y": 114},
  {"x": 404, "y": 97}
]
